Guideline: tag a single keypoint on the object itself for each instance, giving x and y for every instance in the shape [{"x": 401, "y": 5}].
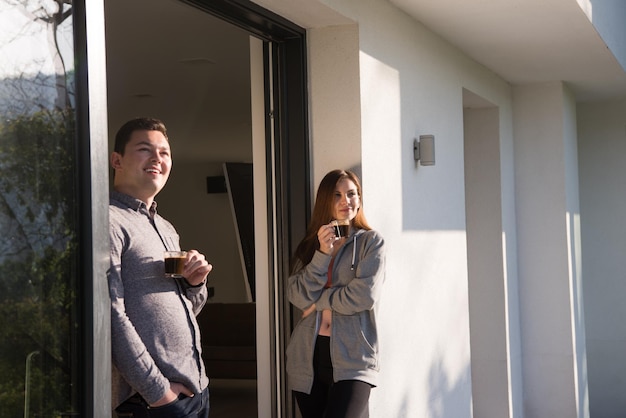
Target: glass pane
[{"x": 38, "y": 219}]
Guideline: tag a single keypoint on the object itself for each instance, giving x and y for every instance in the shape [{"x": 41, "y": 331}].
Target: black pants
[{"x": 328, "y": 399}]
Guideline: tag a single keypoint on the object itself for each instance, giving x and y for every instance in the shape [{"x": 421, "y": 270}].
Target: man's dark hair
[{"x": 138, "y": 124}]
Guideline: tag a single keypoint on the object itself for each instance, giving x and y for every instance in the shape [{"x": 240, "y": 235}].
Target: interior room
[{"x": 169, "y": 60}]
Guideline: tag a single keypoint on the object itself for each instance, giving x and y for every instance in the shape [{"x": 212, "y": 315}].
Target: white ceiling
[
  {"x": 168, "y": 60},
  {"x": 528, "y": 41}
]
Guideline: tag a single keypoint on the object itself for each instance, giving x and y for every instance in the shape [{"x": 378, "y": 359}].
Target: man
[{"x": 157, "y": 365}]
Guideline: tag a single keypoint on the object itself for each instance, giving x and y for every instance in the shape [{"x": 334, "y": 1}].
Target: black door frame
[
  {"x": 93, "y": 303},
  {"x": 285, "y": 51}
]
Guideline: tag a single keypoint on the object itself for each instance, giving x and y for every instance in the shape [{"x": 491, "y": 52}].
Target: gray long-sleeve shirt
[{"x": 154, "y": 333}]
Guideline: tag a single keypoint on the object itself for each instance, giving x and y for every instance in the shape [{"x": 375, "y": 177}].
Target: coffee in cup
[
  {"x": 175, "y": 263},
  {"x": 341, "y": 227}
]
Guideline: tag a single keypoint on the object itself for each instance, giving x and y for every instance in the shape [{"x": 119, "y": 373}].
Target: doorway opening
[
  {"x": 486, "y": 264},
  {"x": 221, "y": 75}
]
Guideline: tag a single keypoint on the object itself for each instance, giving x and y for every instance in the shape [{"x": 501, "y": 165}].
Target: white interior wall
[
  {"x": 214, "y": 232},
  {"x": 602, "y": 150}
]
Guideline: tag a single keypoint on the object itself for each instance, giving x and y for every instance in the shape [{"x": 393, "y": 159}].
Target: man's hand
[
  {"x": 172, "y": 394},
  {"x": 196, "y": 268}
]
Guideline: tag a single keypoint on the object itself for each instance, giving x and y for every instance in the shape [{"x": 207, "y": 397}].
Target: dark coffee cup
[
  {"x": 175, "y": 263},
  {"x": 341, "y": 227}
]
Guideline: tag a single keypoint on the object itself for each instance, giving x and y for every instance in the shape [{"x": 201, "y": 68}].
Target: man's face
[{"x": 145, "y": 166}]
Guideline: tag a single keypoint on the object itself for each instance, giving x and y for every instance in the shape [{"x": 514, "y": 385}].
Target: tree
[
  {"x": 38, "y": 218},
  {"x": 32, "y": 85},
  {"x": 37, "y": 270}
]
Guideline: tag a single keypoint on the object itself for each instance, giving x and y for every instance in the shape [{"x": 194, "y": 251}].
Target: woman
[{"x": 332, "y": 357}]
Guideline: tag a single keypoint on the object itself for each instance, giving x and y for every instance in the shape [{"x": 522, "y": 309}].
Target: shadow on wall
[{"x": 446, "y": 398}]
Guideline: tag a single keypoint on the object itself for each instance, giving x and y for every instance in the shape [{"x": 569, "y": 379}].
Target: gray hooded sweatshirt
[{"x": 357, "y": 276}]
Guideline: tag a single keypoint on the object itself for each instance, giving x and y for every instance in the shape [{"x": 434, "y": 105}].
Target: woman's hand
[
  {"x": 308, "y": 311},
  {"x": 326, "y": 237}
]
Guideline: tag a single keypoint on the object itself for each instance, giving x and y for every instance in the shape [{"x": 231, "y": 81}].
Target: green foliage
[
  {"x": 35, "y": 151},
  {"x": 37, "y": 262}
]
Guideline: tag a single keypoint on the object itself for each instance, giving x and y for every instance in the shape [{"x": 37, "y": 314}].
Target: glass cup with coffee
[
  {"x": 341, "y": 227},
  {"x": 175, "y": 263}
]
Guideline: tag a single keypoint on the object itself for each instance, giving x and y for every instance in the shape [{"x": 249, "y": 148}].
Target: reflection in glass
[{"x": 38, "y": 219}]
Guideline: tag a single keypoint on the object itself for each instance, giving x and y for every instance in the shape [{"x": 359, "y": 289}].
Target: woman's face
[{"x": 346, "y": 200}]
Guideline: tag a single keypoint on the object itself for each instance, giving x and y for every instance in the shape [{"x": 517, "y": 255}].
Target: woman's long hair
[{"x": 323, "y": 213}]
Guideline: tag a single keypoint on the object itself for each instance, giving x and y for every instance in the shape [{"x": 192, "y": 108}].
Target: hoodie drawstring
[{"x": 353, "y": 251}]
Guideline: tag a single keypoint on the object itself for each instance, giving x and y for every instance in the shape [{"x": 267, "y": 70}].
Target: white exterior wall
[
  {"x": 550, "y": 283},
  {"x": 334, "y": 100},
  {"x": 487, "y": 277},
  {"x": 607, "y": 16},
  {"x": 602, "y": 150},
  {"x": 411, "y": 83}
]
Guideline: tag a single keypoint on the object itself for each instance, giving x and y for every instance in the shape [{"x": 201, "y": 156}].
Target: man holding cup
[{"x": 157, "y": 356}]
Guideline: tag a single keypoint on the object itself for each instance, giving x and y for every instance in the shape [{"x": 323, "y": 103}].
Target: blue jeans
[{"x": 184, "y": 407}]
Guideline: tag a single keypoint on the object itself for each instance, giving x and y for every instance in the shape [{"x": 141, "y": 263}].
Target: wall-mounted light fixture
[{"x": 424, "y": 150}]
